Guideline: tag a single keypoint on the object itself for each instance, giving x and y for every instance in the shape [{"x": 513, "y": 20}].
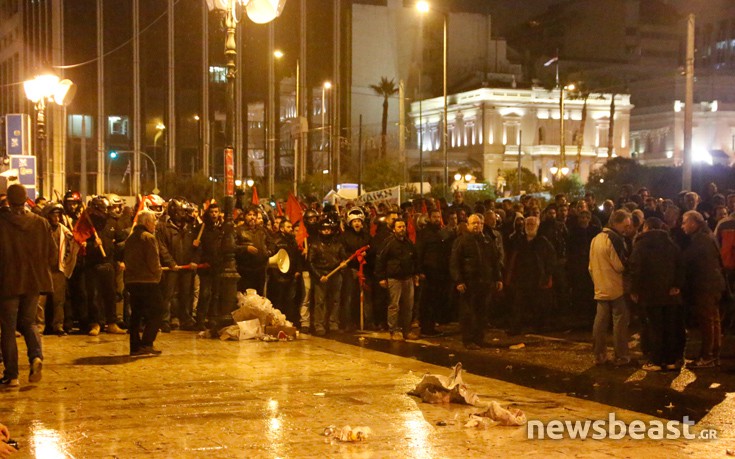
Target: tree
[
  {"x": 381, "y": 174},
  {"x": 386, "y": 88},
  {"x": 529, "y": 181}
]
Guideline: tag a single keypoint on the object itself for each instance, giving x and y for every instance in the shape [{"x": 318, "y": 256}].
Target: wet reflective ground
[{"x": 213, "y": 399}]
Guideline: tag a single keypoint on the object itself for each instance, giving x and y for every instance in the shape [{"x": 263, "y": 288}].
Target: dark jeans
[
  {"x": 146, "y": 304},
  {"x": 433, "y": 299},
  {"x": 326, "y": 303},
  {"x": 208, "y": 295},
  {"x": 20, "y": 312},
  {"x": 351, "y": 300},
  {"x": 177, "y": 287},
  {"x": 473, "y": 304},
  {"x": 665, "y": 325},
  {"x": 100, "y": 283}
]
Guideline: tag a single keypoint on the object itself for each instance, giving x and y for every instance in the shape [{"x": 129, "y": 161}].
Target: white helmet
[{"x": 355, "y": 214}]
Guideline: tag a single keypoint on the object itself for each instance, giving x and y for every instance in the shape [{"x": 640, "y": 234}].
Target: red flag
[
  {"x": 411, "y": 228},
  {"x": 83, "y": 229},
  {"x": 256, "y": 199},
  {"x": 424, "y": 210},
  {"x": 279, "y": 211},
  {"x": 294, "y": 212},
  {"x": 302, "y": 235}
]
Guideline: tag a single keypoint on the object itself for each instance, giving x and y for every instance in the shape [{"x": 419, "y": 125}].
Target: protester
[
  {"x": 608, "y": 255},
  {"x": 142, "y": 280},
  {"x": 27, "y": 253},
  {"x": 704, "y": 285},
  {"x": 475, "y": 266}
]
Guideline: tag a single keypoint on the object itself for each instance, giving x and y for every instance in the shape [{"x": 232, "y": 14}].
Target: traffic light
[{"x": 113, "y": 154}]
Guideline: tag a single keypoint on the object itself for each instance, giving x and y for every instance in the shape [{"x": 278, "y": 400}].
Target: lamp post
[
  {"x": 425, "y": 7},
  {"x": 260, "y": 12},
  {"x": 562, "y": 140},
  {"x": 160, "y": 127},
  {"x": 42, "y": 88},
  {"x": 326, "y": 134},
  {"x": 115, "y": 153}
]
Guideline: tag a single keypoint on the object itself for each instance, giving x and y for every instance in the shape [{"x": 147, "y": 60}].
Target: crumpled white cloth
[
  {"x": 442, "y": 389},
  {"x": 253, "y": 306}
]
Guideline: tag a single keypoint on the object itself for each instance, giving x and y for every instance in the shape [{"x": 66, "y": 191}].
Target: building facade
[{"x": 488, "y": 128}]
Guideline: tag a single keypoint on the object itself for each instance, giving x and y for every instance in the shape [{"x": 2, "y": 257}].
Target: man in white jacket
[{"x": 607, "y": 262}]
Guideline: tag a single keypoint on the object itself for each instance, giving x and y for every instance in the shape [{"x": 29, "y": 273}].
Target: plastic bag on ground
[
  {"x": 253, "y": 306},
  {"x": 442, "y": 389},
  {"x": 246, "y": 329}
]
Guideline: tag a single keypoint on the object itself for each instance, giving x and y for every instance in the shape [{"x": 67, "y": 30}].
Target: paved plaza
[{"x": 253, "y": 399}]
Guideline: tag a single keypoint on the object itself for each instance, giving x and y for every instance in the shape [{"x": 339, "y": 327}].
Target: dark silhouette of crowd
[{"x": 521, "y": 265}]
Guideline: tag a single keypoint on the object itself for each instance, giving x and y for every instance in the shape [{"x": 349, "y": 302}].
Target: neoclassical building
[{"x": 488, "y": 127}]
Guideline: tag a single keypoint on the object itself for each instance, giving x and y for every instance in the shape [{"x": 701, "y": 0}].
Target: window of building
[
  {"x": 117, "y": 125},
  {"x": 80, "y": 126},
  {"x": 541, "y": 135},
  {"x": 217, "y": 74}
]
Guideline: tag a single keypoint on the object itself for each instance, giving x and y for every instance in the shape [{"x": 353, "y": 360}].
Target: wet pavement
[
  {"x": 252, "y": 399},
  {"x": 562, "y": 362}
]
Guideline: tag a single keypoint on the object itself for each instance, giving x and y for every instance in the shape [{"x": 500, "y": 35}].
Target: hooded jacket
[{"x": 27, "y": 253}]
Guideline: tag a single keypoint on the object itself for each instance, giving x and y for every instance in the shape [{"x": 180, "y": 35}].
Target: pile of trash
[
  {"x": 451, "y": 389},
  {"x": 256, "y": 318}
]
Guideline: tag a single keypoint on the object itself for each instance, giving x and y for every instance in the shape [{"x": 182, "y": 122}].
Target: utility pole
[{"x": 686, "y": 180}]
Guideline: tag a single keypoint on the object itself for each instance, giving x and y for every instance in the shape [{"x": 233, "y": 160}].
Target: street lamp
[
  {"x": 160, "y": 127},
  {"x": 40, "y": 89},
  {"x": 562, "y": 140},
  {"x": 260, "y": 12},
  {"x": 424, "y": 7},
  {"x": 325, "y": 134}
]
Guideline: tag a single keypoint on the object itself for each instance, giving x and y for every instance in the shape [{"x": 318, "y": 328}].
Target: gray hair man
[{"x": 608, "y": 255}]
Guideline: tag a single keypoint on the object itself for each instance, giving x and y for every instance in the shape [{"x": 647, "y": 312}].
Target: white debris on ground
[
  {"x": 445, "y": 389},
  {"x": 253, "y": 315}
]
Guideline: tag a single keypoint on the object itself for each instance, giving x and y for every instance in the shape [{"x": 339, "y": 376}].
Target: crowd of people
[{"x": 524, "y": 265}]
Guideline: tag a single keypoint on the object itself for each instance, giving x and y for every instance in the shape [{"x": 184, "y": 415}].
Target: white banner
[{"x": 387, "y": 195}]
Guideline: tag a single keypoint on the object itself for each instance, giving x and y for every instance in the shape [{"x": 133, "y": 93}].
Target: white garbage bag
[
  {"x": 443, "y": 389},
  {"x": 253, "y": 306}
]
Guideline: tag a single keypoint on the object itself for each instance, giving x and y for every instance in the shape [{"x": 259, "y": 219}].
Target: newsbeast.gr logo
[{"x": 614, "y": 429}]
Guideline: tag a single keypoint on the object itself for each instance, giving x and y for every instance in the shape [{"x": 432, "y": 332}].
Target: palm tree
[{"x": 385, "y": 88}]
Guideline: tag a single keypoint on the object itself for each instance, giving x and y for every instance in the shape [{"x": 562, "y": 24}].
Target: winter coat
[
  {"x": 325, "y": 254},
  {"x": 530, "y": 263},
  {"x": 210, "y": 246},
  {"x": 142, "y": 261},
  {"x": 176, "y": 243},
  {"x": 433, "y": 250},
  {"x": 110, "y": 235},
  {"x": 606, "y": 266},
  {"x": 475, "y": 260},
  {"x": 703, "y": 264},
  {"x": 288, "y": 243},
  {"x": 654, "y": 268},
  {"x": 397, "y": 260},
  {"x": 27, "y": 253},
  {"x": 256, "y": 237},
  {"x": 354, "y": 241}
]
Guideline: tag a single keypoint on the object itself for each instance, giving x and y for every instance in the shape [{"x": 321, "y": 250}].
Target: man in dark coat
[
  {"x": 27, "y": 253},
  {"x": 531, "y": 263},
  {"x": 282, "y": 285},
  {"x": 705, "y": 284},
  {"x": 475, "y": 267},
  {"x": 433, "y": 249},
  {"x": 656, "y": 275},
  {"x": 396, "y": 271},
  {"x": 355, "y": 237},
  {"x": 251, "y": 253},
  {"x": 209, "y": 253},
  {"x": 326, "y": 254}
]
